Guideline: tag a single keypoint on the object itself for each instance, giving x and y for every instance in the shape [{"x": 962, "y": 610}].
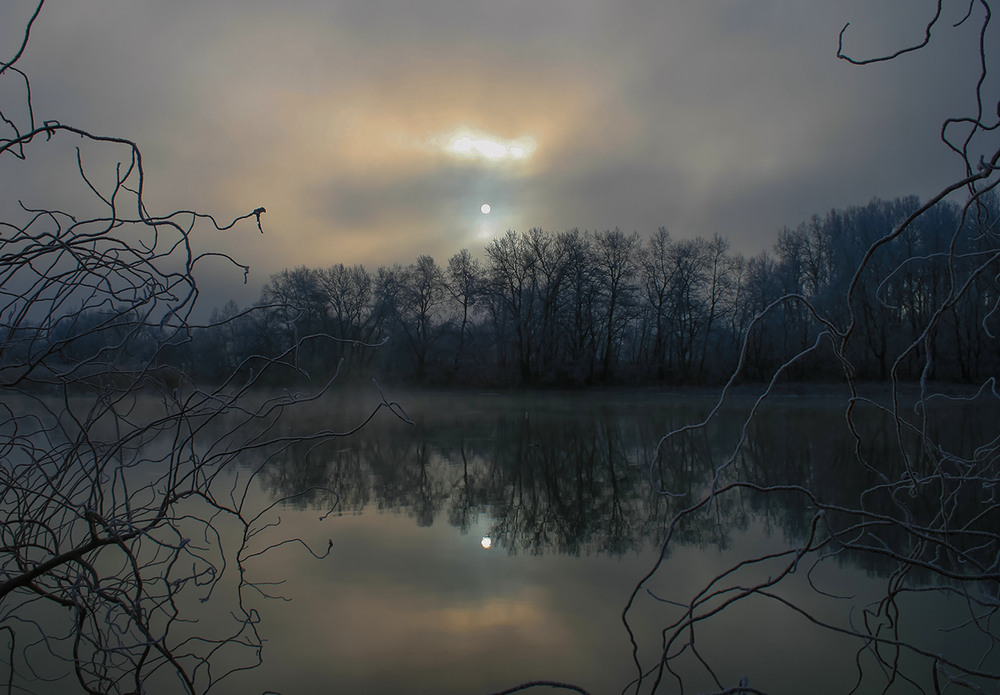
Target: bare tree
[
  {"x": 615, "y": 254},
  {"x": 927, "y": 506},
  {"x": 423, "y": 286},
  {"x": 117, "y": 479},
  {"x": 513, "y": 276},
  {"x": 464, "y": 283}
]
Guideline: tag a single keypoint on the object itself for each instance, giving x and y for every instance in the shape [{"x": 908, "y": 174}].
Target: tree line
[
  {"x": 604, "y": 307},
  {"x": 607, "y": 307}
]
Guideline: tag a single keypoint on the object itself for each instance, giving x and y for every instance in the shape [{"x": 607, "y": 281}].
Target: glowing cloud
[{"x": 470, "y": 144}]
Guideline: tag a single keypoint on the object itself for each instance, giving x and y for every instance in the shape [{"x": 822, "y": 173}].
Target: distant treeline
[{"x": 607, "y": 307}]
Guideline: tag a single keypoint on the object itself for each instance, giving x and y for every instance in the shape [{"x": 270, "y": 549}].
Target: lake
[{"x": 499, "y": 539}]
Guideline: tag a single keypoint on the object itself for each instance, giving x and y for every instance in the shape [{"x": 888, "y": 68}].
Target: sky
[{"x": 374, "y": 131}]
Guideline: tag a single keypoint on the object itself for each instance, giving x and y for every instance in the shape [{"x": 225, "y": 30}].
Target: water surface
[{"x": 562, "y": 486}]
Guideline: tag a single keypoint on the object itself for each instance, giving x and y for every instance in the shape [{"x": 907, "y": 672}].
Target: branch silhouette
[
  {"x": 120, "y": 474},
  {"x": 927, "y": 506}
]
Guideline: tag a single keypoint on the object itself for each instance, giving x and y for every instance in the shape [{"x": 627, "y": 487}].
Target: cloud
[{"x": 726, "y": 117}]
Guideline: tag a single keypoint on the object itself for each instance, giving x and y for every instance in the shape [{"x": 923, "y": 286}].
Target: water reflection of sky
[
  {"x": 402, "y": 608},
  {"x": 410, "y": 601}
]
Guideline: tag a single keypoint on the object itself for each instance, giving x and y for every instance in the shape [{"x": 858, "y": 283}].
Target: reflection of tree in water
[
  {"x": 556, "y": 480},
  {"x": 574, "y": 476},
  {"x": 565, "y": 487},
  {"x": 838, "y": 492},
  {"x": 547, "y": 482},
  {"x": 810, "y": 448}
]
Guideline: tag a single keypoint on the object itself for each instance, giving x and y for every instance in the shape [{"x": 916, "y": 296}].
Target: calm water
[
  {"x": 558, "y": 487},
  {"x": 499, "y": 539}
]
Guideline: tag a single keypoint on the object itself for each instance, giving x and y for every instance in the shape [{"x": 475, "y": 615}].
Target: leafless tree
[
  {"x": 928, "y": 507},
  {"x": 464, "y": 284},
  {"x": 119, "y": 475}
]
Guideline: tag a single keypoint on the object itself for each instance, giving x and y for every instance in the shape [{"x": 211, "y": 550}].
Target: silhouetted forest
[{"x": 584, "y": 308}]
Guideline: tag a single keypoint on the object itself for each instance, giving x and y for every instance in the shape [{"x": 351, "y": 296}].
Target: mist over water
[{"x": 410, "y": 600}]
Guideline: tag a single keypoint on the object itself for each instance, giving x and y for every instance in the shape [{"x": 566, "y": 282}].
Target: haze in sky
[{"x": 377, "y": 130}]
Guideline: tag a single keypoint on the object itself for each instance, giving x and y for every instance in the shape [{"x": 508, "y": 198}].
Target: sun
[{"x": 486, "y": 208}]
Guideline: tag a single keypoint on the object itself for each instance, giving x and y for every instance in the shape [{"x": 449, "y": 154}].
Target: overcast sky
[{"x": 375, "y": 130}]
